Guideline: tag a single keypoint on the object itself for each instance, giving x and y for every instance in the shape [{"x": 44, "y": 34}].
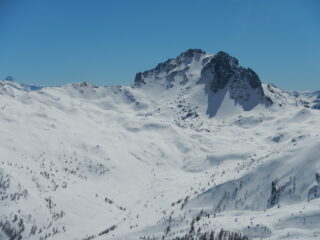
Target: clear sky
[{"x": 106, "y": 42}]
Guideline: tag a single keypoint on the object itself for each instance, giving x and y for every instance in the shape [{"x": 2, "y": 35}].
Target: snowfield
[{"x": 166, "y": 158}]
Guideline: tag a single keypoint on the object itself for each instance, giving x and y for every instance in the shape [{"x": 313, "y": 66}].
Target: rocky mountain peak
[
  {"x": 189, "y": 55},
  {"x": 220, "y": 74},
  {"x": 9, "y": 79},
  {"x": 223, "y": 74},
  {"x": 172, "y": 68},
  {"x": 224, "y": 69},
  {"x": 225, "y": 59}
]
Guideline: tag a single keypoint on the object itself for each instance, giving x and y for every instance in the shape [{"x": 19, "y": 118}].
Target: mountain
[
  {"x": 196, "y": 148},
  {"x": 220, "y": 75}
]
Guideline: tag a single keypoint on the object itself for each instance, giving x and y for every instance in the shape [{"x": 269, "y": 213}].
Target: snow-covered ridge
[
  {"x": 180, "y": 154},
  {"x": 309, "y": 99}
]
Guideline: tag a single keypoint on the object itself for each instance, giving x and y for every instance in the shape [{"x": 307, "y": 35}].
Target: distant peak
[
  {"x": 11, "y": 82},
  {"x": 9, "y": 78},
  {"x": 192, "y": 52},
  {"x": 171, "y": 68}
]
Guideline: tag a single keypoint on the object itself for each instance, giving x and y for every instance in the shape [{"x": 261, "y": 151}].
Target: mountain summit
[
  {"x": 220, "y": 74},
  {"x": 174, "y": 71}
]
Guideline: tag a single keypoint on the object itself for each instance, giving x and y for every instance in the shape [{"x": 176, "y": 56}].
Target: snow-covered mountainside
[
  {"x": 309, "y": 99},
  {"x": 196, "y": 148}
]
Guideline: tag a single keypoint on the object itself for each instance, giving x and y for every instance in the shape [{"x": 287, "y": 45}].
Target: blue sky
[{"x": 106, "y": 42}]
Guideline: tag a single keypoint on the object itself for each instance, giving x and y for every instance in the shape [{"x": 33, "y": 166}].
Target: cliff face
[
  {"x": 225, "y": 69},
  {"x": 223, "y": 75}
]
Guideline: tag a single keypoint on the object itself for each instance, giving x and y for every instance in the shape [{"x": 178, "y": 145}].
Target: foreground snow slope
[{"x": 180, "y": 153}]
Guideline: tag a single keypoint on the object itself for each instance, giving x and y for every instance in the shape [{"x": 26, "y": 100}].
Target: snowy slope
[
  {"x": 195, "y": 145},
  {"x": 309, "y": 99}
]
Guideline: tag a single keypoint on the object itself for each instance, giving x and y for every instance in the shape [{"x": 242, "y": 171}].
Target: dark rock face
[
  {"x": 314, "y": 191},
  {"x": 223, "y": 75},
  {"x": 316, "y": 106},
  {"x": 225, "y": 68},
  {"x": 253, "y": 79},
  {"x": 139, "y": 79}
]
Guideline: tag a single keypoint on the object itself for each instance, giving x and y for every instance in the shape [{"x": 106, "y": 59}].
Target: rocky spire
[
  {"x": 225, "y": 69},
  {"x": 224, "y": 72}
]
